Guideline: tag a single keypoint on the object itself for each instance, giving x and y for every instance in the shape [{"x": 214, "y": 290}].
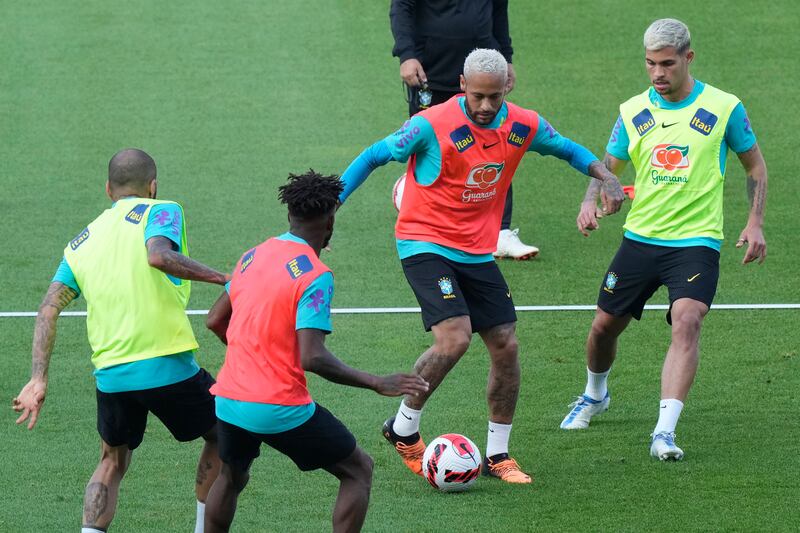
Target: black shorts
[
  {"x": 320, "y": 441},
  {"x": 186, "y": 408},
  {"x": 445, "y": 289},
  {"x": 639, "y": 269}
]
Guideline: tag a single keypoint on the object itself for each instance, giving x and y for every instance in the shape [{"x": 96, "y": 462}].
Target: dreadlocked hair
[{"x": 311, "y": 195}]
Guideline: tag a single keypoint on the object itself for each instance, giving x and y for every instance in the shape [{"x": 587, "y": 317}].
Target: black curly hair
[{"x": 311, "y": 195}]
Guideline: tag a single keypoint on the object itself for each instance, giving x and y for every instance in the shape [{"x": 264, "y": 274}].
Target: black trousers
[{"x": 441, "y": 97}]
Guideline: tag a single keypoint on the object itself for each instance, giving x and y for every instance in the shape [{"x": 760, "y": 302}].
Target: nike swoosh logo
[
  {"x": 491, "y": 431},
  {"x": 693, "y": 278},
  {"x": 405, "y": 415},
  {"x": 663, "y": 406},
  {"x": 485, "y": 146},
  {"x": 664, "y": 125}
]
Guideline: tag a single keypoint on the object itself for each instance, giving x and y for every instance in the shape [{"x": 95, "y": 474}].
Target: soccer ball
[
  {"x": 451, "y": 463},
  {"x": 397, "y": 191}
]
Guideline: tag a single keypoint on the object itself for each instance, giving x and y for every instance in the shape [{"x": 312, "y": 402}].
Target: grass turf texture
[
  {"x": 229, "y": 99},
  {"x": 737, "y": 475}
]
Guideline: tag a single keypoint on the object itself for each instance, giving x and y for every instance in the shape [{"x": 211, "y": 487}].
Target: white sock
[
  {"x": 91, "y": 530},
  {"x": 596, "y": 384},
  {"x": 668, "y": 415},
  {"x": 497, "y": 441},
  {"x": 201, "y": 516},
  {"x": 407, "y": 420}
]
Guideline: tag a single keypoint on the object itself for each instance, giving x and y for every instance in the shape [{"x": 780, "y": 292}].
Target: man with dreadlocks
[{"x": 274, "y": 317}]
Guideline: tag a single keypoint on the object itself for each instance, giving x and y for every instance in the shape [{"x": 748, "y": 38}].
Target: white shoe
[
  {"x": 583, "y": 409},
  {"x": 509, "y": 245},
  {"x": 663, "y": 447}
]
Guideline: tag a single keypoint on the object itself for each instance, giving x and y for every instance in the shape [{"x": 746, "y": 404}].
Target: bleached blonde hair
[
  {"x": 664, "y": 33},
  {"x": 486, "y": 61}
]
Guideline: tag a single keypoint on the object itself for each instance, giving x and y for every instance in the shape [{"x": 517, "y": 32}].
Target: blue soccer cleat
[
  {"x": 583, "y": 409},
  {"x": 663, "y": 446}
]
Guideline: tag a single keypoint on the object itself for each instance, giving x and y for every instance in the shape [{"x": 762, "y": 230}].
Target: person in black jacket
[{"x": 432, "y": 38}]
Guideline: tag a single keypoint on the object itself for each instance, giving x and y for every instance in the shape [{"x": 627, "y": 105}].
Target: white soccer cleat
[
  {"x": 583, "y": 409},
  {"x": 509, "y": 245},
  {"x": 663, "y": 446}
]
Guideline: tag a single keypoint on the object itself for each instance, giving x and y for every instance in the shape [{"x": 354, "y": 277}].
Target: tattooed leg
[
  {"x": 451, "y": 340},
  {"x": 208, "y": 466},
  {"x": 504, "y": 375},
  {"x": 100, "y": 499},
  {"x": 95, "y": 504}
]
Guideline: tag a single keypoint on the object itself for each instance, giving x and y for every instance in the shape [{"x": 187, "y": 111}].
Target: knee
[
  {"x": 455, "y": 343},
  {"x": 603, "y": 328},
  {"x": 365, "y": 467},
  {"x": 115, "y": 463},
  {"x": 234, "y": 478},
  {"x": 508, "y": 346},
  {"x": 686, "y": 326},
  {"x": 358, "y": 469},
  {"x": 505, "y": 360}
]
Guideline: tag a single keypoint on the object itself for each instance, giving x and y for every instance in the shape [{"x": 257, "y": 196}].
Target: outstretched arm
[
  {"x": 31, "y": 398},
  {"x": 316, "y": 358},
  {"x": 359, "y": 170},
  {"x": 415, "y": 136},
  {"x": 161, "y": 255},
  {"x": 549, "y": 142},
  {"x": 756, "y": 168}
]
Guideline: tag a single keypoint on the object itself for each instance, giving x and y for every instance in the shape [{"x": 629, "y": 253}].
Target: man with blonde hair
[
  {"x": 432, "y": 38},
  {"x": 462, "y": 155},
  {"x": 677, "y": 134}
]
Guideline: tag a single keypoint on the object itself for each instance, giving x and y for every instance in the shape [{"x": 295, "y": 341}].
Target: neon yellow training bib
[
  {"x": 134, "y": 311},
  {"x": 676, "y": 155}
]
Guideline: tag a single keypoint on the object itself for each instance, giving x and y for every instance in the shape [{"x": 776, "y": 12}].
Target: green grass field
[{"x": 230, "y": 97}]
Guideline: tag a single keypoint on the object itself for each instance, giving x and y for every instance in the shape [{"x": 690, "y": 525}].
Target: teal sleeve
[
  {"x": 739, "y": 133},
  {"x": 314, "y": 308},
  {"x": 417, "y": 136},
  {"x": 414, "y": 137},
  {"x": 548, "y": 141},
  {"x": 619, "y": 141},
  {"x": 359, "y": 170},
  {"x": 65, "y": 275},
  {"x": 165, "y": 220}
]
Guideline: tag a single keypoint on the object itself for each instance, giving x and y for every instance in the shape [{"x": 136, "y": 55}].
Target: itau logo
[{"x": 670, "y": 156}]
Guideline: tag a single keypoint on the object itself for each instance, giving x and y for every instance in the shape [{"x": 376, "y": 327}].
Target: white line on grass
[{"x": 400, "y": 310}]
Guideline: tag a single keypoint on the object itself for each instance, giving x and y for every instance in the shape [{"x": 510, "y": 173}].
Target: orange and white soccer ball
[
  {"x": 397, "y": 191},
  {"x": 451, "y": 463}
]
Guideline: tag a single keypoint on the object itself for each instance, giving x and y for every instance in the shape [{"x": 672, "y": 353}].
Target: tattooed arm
[
  {"x": 607, "y": 188},
  {"x": 612, "y": 195},
  {"x": 752, "y": 235},
  {"x": 162, "y": 256},
  {"x": 31, "y": 398}
]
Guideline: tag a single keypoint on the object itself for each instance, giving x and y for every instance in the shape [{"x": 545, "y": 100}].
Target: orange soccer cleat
[
  {"x": 411, "y": 448},
  {"x": 504, "y": 467}
]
